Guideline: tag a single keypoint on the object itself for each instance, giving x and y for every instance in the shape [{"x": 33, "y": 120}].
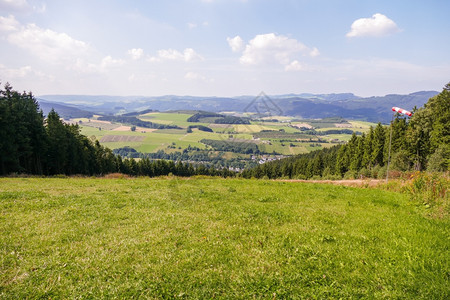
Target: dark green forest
[
  {"x": 220, "y": 119},
  {"x": 33, "y": 144},
  {"x": 420, "y": 143},
  {"x": 132, "y": 120}
]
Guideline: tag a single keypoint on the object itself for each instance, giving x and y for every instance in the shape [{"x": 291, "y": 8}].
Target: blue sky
[{"x": 224, "y": 47}]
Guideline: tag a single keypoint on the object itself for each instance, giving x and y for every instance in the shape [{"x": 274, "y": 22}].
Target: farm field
[
  {"x": 216, "y": 238},
  {"x": 273, "y": 139}
]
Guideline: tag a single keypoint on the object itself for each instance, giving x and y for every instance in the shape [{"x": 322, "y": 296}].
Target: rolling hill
[{"x": 346, "y": 105}]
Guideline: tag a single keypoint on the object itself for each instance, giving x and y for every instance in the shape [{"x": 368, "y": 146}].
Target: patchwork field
[
  {"x": 216, "y": 238},
  {"x": 280, "y": 135},
  {"x": 121, "y": 138}
]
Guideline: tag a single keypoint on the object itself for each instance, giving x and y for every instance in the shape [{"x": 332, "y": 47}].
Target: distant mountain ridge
[
  {"x": 304, "y": 105},
  {"x": 64, "y": 110}
]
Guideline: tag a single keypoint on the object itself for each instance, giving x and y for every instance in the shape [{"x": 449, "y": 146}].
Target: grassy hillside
[{"x": 215, "y": 238}]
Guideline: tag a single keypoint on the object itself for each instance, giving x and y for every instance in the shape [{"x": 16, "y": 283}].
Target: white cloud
[
  {"x": 236, "y": 43},
  {"x": 9, "y": 23},
  {"x": 314, "y": 52},
  {"x": 376, "y": 26},
  {"x": 109, "y": 62},
  {"x": 170, "y": 54},
  {"x": 47, "y": 44},
  {"x": 193, "y": 76},
  {"x": 269, "y": 48},
  {"x": 192, "y": 25},
  {"x": 136, "y": 53},
  {"x": 103, "y": 66},
  {"x": 294, "y": 66},
  {"x": 14, "y": 4},
  {"x": 197, "y": 77},
  {"x": 15, "y": 73},
  {"x": 24, "y": 73},
  {"x": 22, "y": 6},
  {"x": 188, "y": 55}
]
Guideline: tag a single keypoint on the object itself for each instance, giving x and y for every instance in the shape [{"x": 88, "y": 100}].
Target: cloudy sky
[{"x": 224, "y": 47}]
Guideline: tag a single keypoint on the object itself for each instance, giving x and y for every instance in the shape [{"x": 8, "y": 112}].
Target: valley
[{"x": 226, "y": 145}]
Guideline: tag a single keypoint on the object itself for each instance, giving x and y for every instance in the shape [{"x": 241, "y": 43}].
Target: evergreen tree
[
  {"x": 378, "y": 145},
  {"x": 368, "y": 146}
]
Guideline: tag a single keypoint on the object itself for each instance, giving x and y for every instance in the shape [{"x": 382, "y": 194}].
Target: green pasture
[
  {"x": 362, "y": 125},
  {"x": 174, "y": 118},
  {"x": 195, "y": 238},
  {"x": 341, "y": 137}
]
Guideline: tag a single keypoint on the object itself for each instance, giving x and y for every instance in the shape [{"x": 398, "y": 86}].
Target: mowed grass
[
  {"x": 215, "y": 238},
  {"x": 167, "y": 118}
]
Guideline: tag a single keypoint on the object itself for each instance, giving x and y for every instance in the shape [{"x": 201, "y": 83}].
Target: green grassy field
[{"x": 216, "y": 238}]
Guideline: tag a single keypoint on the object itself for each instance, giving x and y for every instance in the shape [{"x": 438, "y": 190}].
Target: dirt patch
[
  {"x": 343, "y": 125},
  {"x": 353, "y": 182},
  {"x": 302, "y": 125},
  {"x": 101, "y": 124},
  {"x": 121, "y": 138},
  {"x": 138, "y": 129},
  {"x": 213, "y": 125},
  {"x": 122, "y": 128},
  {"x": 101, "y": 121}
]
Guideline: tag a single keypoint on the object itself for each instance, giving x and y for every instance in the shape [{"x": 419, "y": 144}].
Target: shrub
[
  {"x": 381, "y": 172},
  {"x": 439, "y": 160},
  {"x": 374, "y": 171},
  {"x": 365, "y": 173},
  {"x": 332, "y": 177},
  {"x": 350, "y": 174},
  {"x": 430, "y": 188},
  {"x": 401, "y": 161}
]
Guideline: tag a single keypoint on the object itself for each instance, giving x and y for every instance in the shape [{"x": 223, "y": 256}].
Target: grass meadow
[{"x": 216, "y": 238}]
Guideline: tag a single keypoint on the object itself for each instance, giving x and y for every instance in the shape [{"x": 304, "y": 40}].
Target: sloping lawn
[{"x": 215, "y": 238}]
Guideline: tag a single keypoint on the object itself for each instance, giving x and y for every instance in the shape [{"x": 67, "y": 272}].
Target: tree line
[
  {"x": 33, "y": 144},
  {"x": 192, "y": 155},
  {"x": 132, "y": 120},
  {"x": 220, "y": 119},
  {"x": 419, "y": 143}
]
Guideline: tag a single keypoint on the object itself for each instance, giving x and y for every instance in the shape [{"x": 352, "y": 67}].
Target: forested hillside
[
  {"x": 32, "y": 144},
  {"x": 314, "y": 106},
  {"x": 421, "y": 142}
]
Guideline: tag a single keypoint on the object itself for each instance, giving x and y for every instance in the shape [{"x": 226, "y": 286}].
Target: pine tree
[
  {"x": 57, "y": 144},
  {"x": 367, "y": 161},
  {"x": 378, "y": 145}
]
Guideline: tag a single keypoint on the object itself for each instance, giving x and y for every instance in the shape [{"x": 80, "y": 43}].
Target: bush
[
  {"x": 365, "y": 173},
  {"x": 374, "y": 171},
  {"x": 401, "y": 161},
  {"x": 332, "y": 177},
  {"x": 382, "y": 172},
  {"x": 326, "y": 172},
  {"x": 430, "y": 188},
  {"x": 439, "y": 160},
  {"x": 350, "y": 174}
]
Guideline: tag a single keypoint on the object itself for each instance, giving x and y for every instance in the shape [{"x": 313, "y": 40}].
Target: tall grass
[{"x": 431, "y": 189}]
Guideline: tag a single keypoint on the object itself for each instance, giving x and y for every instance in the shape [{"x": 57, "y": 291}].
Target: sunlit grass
[{"x": 206, "y": 238}]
